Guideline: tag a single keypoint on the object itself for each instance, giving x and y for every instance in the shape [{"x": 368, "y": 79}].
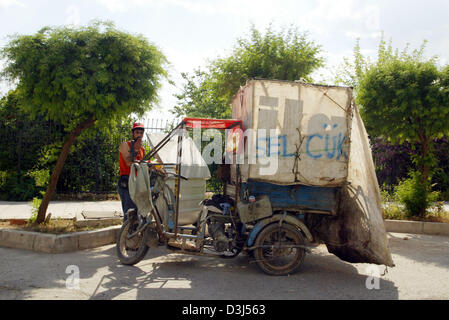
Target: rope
[
  {"x": 295, "y": 169},
  {"x": 325, "y": 93}
]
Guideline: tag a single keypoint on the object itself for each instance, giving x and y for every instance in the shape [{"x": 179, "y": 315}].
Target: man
[{"x": 127, "y": 157}]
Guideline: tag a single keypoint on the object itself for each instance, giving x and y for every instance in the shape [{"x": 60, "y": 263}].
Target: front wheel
[
  {"x": 133, "y": 250},
  {"x": 279, "y": 251}
]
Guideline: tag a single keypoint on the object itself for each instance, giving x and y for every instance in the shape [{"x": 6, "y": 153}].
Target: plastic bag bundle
[{"x": 139, "y": 188}]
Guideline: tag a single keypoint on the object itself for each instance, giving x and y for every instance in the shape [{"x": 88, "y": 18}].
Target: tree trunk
[{"x": 58, "y": 168}]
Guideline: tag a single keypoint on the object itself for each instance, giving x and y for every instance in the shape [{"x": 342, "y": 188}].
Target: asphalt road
[{"x": 421, "y": 272}]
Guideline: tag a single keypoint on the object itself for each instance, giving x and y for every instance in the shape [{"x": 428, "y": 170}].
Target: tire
[
  {"x": 270, "y": 260},
  {"x": 137, "y": 244}
]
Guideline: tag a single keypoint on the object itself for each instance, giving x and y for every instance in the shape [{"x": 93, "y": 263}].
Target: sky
[{"x": 191, "y": 32}]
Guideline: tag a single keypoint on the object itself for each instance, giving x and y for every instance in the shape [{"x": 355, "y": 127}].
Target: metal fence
[
  {"x": 158, "y": 125},
  {"x": 92, "y": 163},
  {"x": 22, "y": 139}
]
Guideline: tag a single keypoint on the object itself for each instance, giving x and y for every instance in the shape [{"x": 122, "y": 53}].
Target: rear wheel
[
  {"x": 133, "y": 250},
  {"x": 277, "y": 254}
]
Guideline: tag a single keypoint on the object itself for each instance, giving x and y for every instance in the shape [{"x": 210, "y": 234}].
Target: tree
[
  {"x": 284, "y": 55},
  {"x": 82, "y": 76},
  {"x": 405, "y": 97},
  {"x": 21, "y": 141},
  {"x": 349, "y": 72}
]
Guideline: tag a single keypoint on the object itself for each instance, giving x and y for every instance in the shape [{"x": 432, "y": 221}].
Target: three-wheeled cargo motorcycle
[{"x": 252, "y": 221}]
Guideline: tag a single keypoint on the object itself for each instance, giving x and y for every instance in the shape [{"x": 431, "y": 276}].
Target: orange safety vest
[{"x": 124, "y": 169}]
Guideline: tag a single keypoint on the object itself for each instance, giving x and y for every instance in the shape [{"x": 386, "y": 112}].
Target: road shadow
[
  {"x": 421, "y": 248},
  {"x": 181, "y": 277},
  {"x": 22, "y": 271}
]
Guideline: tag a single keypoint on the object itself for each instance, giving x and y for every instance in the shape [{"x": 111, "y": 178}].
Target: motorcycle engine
[
  {"x": 217, "y": 231},
  {"x": 219, "y": 222}
]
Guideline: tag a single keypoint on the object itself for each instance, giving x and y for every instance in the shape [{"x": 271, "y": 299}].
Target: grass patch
[
  {"x": 434, "y": 214},
  {"x": 56, "y": 226},
  {"x": 86, "y": 196}
]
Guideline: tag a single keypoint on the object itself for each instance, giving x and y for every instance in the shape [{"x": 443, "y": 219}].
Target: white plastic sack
[
  {"x": 139, "y": 188},
  {"x": 193, "y": 164}
]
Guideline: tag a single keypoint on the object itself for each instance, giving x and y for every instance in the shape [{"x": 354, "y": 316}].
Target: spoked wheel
[
  {"x": 278, "y": 254},
  {"x": 131, "y": 251}
]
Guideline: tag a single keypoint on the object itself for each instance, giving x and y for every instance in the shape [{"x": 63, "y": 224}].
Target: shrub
[
  {"x": 23, "y": 187},
  {"x": 415, "y": 194},
  {"x": 394, "y": 161},
  {"x": 387, "y": 195},
  {"x": 36, "y": 204},
  {"x": 3, "y": 179},
  {"x": 441, "y": 179},
  {"x": 444, "y": 196},
  {"x": 14, "y": 187},
  {"x": 394, "y": 212}
]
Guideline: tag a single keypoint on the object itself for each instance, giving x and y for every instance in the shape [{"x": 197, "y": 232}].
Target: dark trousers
[{"x": 127, "y": 203}]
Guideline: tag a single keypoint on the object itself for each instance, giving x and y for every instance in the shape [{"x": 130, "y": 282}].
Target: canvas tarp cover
[
  {"x": 299, "y": 132},
  {"x": 357, "y": 234},
  {"x": 335, "y": 152}
]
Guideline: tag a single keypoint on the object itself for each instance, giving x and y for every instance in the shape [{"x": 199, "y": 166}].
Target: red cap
[{"x": 138, "y": 126}]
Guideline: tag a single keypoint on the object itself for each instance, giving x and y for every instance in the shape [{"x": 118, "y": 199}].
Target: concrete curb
[
  {"x": 98, "y": 223},
  {"x": 51, "y": 243},
  {"x": 417, "y": 227}
]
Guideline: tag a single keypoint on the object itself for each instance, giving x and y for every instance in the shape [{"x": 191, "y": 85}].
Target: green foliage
[
  {"x": 284, "y": 55},
  {"x": 394, "y": 212},
  {"x": 415, "y": 194},
  {"x": 93, "y": 164},
  {"x": 386, "y": 195},
  {"x": 73, "y": 74},
  {"x": 444, "y": 195},
  {"x": 15, "y": 187},
  {"x": 443, "y": 183},
  {"x": 200, "y": 97},
  {"x": 3, "y": 184},
  {"x": 36, "y": 204},
  {"x": 41, "y": 177},
  {"x": 23, "y": 187},
  {"x": 350, "y": 72},
  {"x": 20, "y": 137},
  {"x": 404, "y": 97},
  {"x": 440, "y": 178},
  {"x": 214, "y": 184},
  {"x": 38, "y": 150}
]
